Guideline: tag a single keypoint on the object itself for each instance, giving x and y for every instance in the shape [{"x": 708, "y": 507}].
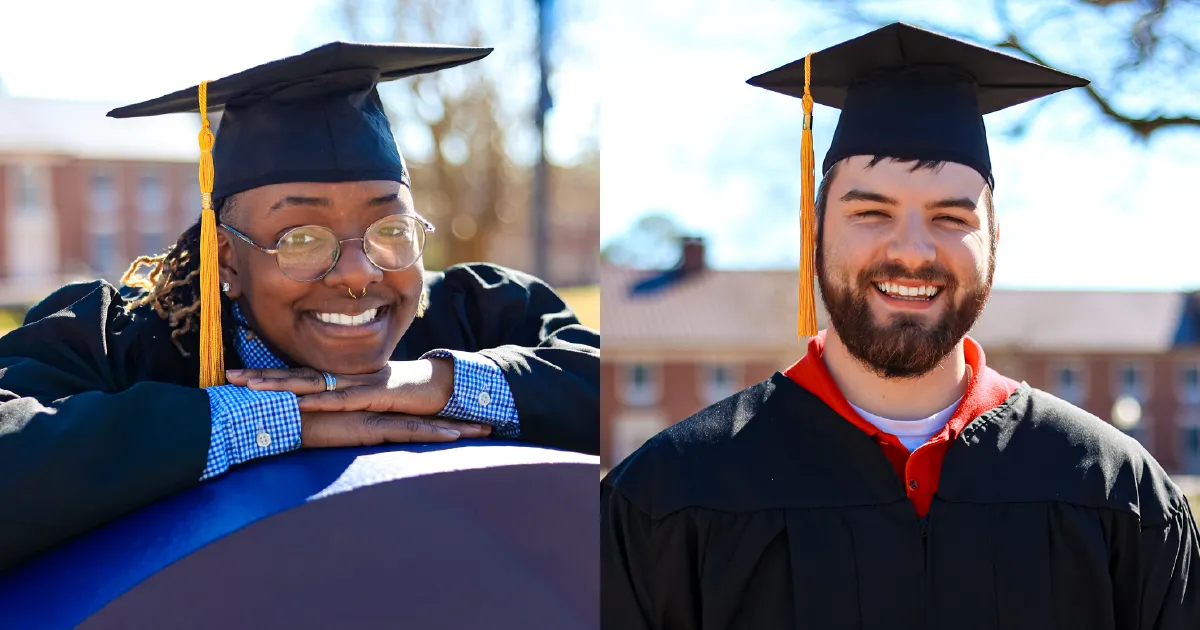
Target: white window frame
[
  {"x": 651, "y": 393},
  {"x": 1145, "y": 387},
  {"x": 1185, "y": 396},
  {"x": 40, "y": 174},
  {"x": 1080, "y": 367},
  {"x": 706, "y": 387},
  {"x": 158, "y": 175},
  {"x": 1188, "y": 420}
]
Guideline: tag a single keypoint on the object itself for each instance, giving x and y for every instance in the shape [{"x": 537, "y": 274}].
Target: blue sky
[
  {"x": 130, "y": 50},
  {"x": 1080, "y": 204}
]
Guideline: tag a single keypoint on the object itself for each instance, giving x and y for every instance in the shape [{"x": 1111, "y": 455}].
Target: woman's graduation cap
[
  {"x": 313, "y": 117},
  {"x": 905, "y": 93}
]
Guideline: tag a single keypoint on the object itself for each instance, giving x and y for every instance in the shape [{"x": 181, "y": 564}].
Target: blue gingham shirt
[{"x": 248, "y": 424}]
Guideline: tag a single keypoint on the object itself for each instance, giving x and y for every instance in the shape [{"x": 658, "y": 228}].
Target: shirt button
[
  {"x": 912, "y": 484},
  {"x": 485, "y": 399},
  {"x": 263, "y": 439}
]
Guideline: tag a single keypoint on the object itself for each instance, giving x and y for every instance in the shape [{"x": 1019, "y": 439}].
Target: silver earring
[{"x": 225, "y": 287}]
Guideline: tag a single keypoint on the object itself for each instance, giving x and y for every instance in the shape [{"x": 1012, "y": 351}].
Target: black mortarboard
[
  {"x": 905, "y": 93},
  {"x": 313, "y": 117}
]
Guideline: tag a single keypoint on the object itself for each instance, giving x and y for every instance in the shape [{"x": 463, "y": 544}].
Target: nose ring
[{"x": 364, "y": 293}]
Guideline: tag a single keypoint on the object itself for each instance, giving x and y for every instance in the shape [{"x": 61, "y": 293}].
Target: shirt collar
[
  {"x": 250, "y": 348},
  {"x": 986, "y": 389}
]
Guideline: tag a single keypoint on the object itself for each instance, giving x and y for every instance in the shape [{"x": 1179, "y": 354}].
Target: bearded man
[{"x": 890, "y": 478}]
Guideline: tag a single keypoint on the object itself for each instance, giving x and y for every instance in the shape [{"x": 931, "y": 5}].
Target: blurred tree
[
  {"x": 1141, "y": 55},
  {"x": 462, "y": 180},
  {"x": 652, "y": 242}
]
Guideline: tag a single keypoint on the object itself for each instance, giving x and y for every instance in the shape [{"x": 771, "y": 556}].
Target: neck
[{"x": 896, "y": 398}]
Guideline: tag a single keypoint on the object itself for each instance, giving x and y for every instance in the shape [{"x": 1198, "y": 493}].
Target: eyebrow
[
  {"x": 293, "y": 200},
  {"x": 956, "y": 202},
  {"x": 384, "y": 200},
  {"x": 874, "y": 197},
  {"x": 323, "y": 202},
  {"x": 866, "y": 195}
]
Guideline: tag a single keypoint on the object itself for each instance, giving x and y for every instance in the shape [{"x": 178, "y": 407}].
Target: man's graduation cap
[
  {"x": 905, "y": 93},
  {"x": 313, "y": 117}
]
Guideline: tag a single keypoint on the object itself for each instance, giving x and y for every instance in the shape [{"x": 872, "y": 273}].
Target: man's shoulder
[
  {"x": 666, "y": 462},
  {"x": 1070, "y": 452}
]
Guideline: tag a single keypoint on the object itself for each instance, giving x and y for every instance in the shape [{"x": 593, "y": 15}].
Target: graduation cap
[
  {"x": 313, "y": 117},
  {"x": 905, "y": 93}
]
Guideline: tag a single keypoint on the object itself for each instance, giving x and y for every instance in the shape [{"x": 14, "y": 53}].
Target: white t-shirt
[{"x": 912, "y": 433}]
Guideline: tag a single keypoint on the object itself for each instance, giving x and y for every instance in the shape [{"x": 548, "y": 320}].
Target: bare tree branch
[
  {"x": 1148, "y": 40},
  {"x": 1144, "y": 127}
]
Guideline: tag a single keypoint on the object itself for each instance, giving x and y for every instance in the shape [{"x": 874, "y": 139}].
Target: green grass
[{"x": 10, "y": 319}]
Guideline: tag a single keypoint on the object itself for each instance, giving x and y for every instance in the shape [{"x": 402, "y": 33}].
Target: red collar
[{"x": 986, "y": 389}]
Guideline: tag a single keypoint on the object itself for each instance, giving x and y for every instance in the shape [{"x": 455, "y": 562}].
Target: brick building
[
  {"x": 676, "y": 342},
  {"x": 81, "y": 194}
]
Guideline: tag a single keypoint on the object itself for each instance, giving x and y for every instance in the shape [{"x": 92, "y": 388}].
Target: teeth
[
  {"x": 342, "y": 319},
  {"x": 891, "y": 288}
]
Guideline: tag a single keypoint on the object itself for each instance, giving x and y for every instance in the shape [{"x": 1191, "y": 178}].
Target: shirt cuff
[
  {"x": 481, "y": 393},
  {"x": 248, "y": 424}
]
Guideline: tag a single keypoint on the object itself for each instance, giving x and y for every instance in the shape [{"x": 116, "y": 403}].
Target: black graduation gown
[
  {"x": 768, "y": 510},
  {"x": 100, "y": 414}
]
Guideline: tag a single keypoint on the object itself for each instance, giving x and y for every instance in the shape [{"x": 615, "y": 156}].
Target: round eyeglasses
[{"x": 309, "y": 252}]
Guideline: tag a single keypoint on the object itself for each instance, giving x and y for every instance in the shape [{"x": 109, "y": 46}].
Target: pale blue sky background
[
  {"x": 131, "y": 50},
  {"x": 1080, "y": 204}
]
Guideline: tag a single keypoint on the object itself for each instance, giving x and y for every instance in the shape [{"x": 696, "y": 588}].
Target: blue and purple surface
[{"x": 479, "y": 534}]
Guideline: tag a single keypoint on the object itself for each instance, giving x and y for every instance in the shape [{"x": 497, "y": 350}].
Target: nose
[
  {"x": 353, "y": 268},
  {"x": 912, "y": 243}
]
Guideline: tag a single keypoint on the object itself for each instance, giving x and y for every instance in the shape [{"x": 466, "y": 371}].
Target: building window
[
  {"x": 152, "y": 197},
  {"x": 29, "y": 188},
  {"x": 1189, "y": 440},
  {"x": 641, "y": 385},
  {"x": 720, "y": 382},
  {"x": 105, "y": 255},
  {"x": 1189, "y": 383},
  {"x": 1130, "y": 380},
  {"x": 104, "y": 193},
  {"x": 190, "y": 204},
  {"x": 1068, "y": 383}
]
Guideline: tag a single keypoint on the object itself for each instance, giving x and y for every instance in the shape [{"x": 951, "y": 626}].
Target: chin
[{"x": 351, "y": 362}]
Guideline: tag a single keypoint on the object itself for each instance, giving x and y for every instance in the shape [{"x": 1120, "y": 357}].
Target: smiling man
[
  {"x": 890, "y": 478},
  {"x": 295, "y": 313}
]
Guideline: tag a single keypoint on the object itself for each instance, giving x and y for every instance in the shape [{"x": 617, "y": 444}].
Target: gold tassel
[
  {"x": 212, "y": 347},
  {"x": 806, "y": 325}
]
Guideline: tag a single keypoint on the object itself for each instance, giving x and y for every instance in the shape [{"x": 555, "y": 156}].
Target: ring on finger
[{"x": 330, "y": 381}]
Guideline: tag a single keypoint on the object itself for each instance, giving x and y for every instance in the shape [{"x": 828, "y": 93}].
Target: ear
[{"x": 228, "y": 264}]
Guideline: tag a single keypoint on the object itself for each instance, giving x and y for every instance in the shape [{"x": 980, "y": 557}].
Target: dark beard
[{"x": 906, "y": 347}]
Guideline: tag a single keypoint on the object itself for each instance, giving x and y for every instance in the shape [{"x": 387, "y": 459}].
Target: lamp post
[{"x": 541, "y": 171}]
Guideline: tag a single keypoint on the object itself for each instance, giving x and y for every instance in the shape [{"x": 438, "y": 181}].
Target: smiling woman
[{"x": 298, "y": 303}]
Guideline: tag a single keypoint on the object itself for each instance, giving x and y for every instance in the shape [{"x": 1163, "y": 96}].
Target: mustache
[{"x": 930, "y": 272}]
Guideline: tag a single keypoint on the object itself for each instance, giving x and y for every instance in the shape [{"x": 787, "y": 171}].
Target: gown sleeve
[
  {"x": 1170, "y": 563},
  {"x": 625, "y": 553},
  {"x": 649, "y": 566},
  {"x": 550, "y": 360},
  {"x": 82, "y": 442}
]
